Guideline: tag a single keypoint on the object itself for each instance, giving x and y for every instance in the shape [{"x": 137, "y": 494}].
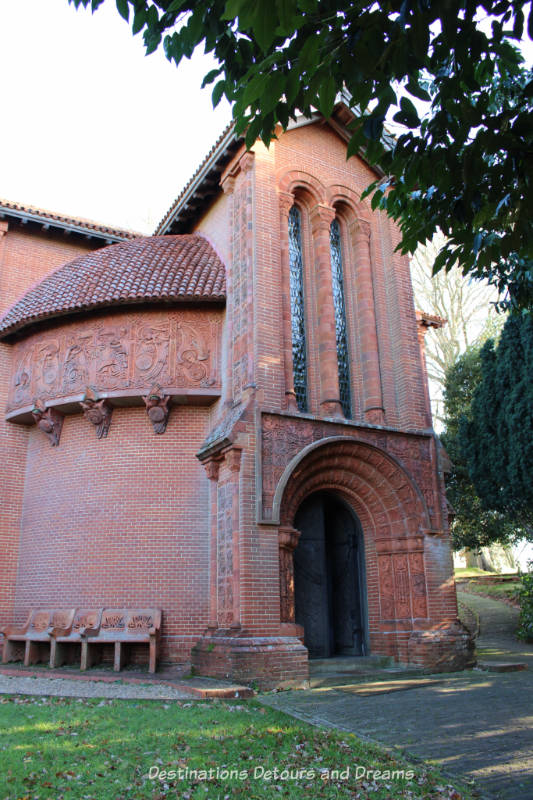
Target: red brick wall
[
  {"x": 119, "y": 521},
  {"x": 26, "y": 256}
]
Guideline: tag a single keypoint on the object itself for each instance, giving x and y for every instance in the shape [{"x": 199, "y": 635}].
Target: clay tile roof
[
  {"x": 150, "y": 270},
  {"x": 26, "y": 212}
]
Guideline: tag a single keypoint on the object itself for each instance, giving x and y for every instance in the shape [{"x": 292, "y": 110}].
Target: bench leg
[
  {"x": 57, "y": 654},
  {"x": 153, "y": 655},
  {"x": 119, "y": 657},
  {"x": 9, "y": 651},
  {"x": 88, "y": 657},
  {"x": 84, "y": 655},
  {"x": 31, "y": 653}
]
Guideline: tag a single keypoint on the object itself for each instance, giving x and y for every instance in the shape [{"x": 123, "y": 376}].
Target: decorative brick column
[
  {"x": 330, "y": 405},
  {"x": 233, "y": 460},
  {"x": 226, "y": 649},
  {"x": 288, "y": 539},
  {"x": 366, "y": 320},
  {"x": 212, "y": 469}
]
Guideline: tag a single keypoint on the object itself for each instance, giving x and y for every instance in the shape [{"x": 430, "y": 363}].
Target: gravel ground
[{"x": 63, "y": 687}]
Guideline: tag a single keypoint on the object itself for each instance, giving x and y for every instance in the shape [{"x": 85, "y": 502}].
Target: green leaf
[
  {"x": 307, "y": 5},
  {"x": 139, "y": 19},
  {"x": 264, "y": 24},
  {"x": 373, "y": 127},
  {"x": 274, "y": 87},
  {"x": 254, "y": 89},
  {"x": 293, "y": 86},
  {"x": 232, "y": 9},
  {"x": 287, "y": 16},
  {"x": 326, "y": 96},
  {"x": 123, "y": 9},
  {"x": 175, "y": 6},
  {"x": 253, "y": 132},
  {"x": 409, "y": 110},
  {"x": 414, "y": 88},
  {"x": 217, "y": 93},
  {"x": 195, "y": 26},
  {"x": 210, "y": 77},
  {"x": 308, "y": 59}
]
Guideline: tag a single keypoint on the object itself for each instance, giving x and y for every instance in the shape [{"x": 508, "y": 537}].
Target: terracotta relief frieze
[{"x": 175, "y": 349}]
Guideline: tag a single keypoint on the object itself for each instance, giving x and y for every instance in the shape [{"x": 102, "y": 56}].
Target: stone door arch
[{"x": 393, "y": 519}]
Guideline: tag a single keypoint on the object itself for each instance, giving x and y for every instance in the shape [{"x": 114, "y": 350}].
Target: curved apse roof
[{"x": 155, "y": 269}]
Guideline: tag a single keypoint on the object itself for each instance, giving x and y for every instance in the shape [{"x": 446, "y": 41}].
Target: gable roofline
[
  {"x": 204, "y": 184},
  {"x": 50, "y": 220}
]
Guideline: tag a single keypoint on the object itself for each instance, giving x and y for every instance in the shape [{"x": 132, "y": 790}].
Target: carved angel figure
[
  {"x": 50, "y": 422},
  {"x": 97, "y": 412},
  {"x": 157, "y": 409}
]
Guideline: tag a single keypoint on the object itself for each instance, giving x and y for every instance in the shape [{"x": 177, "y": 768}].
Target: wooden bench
[
  {"x": 121, "y": 626},
  {"x": 34, "y": 634},
  {"x": 71, "y": 633}
]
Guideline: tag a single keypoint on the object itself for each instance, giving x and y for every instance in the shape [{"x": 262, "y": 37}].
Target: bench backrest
[
  {"x": 42, "y": 622},
  {"x": 39, "y": 621},
  {"x": 126, "y": 622},
  {"x": 61, "y": 618},
  {"x": 85, "y": 618}
]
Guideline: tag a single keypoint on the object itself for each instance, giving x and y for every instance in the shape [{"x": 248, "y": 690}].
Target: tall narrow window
[
  {"x": 299, "y": 352},
  {"x": 343, "y": 360}
]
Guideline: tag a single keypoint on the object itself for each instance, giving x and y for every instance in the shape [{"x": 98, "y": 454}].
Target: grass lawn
[
  {"x": 470, "y": 572},
  {"x": 506, "y": 590},
  {"x": 68, "y": 748}
]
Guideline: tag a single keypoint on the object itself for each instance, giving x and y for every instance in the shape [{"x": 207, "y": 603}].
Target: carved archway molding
[
  {"x": 394, "y": 519},
  {"x": 373, "y": 481}
]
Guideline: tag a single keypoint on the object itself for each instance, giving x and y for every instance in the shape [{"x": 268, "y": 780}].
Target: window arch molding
[
  {"x": 347, "y": 202},
  {"x": 302, "y": 186}
]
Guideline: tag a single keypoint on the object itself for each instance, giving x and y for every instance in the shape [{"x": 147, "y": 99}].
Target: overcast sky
[{"x": 90, "y": 126}]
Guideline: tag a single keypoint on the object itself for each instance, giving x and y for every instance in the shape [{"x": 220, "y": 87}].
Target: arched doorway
[{"x": 329, "y": 578}]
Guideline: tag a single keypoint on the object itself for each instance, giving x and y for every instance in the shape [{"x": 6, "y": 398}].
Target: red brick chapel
[{"x": 228, "y": 420}]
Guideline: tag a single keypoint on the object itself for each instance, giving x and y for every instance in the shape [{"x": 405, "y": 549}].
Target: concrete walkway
[{"x": 475, "y": 725}]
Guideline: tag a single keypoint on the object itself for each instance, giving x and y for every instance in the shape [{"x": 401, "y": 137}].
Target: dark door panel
[{"x": 328, "y": 578}]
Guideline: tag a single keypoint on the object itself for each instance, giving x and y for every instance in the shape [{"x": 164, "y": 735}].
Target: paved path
[{"x": 475, "y": 725}]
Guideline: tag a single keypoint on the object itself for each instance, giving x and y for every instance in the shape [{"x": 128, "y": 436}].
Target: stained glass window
[
  {"x": 299, "y": 351},
  {"x": 343, "y": 360}
]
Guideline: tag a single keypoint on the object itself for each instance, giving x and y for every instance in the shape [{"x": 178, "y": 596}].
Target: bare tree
[{"x": 467, "y": 306}]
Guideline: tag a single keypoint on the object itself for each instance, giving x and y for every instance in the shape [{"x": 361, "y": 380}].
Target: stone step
[{"x": 348, "y": 664}]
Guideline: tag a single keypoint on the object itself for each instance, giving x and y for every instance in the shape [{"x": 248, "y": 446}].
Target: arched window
[
  {"x": 299, "y": 350},
  {"x": 343, "y": 360}
]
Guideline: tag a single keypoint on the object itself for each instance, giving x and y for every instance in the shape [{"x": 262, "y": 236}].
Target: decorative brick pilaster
[
  {"x": 233, "y": 460},
  {"x": 212, "y": 468},
  {"x": 288, "y": 539},
  {"x": 366, "y": 320},
  {"x": 330, "y": 405}
]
